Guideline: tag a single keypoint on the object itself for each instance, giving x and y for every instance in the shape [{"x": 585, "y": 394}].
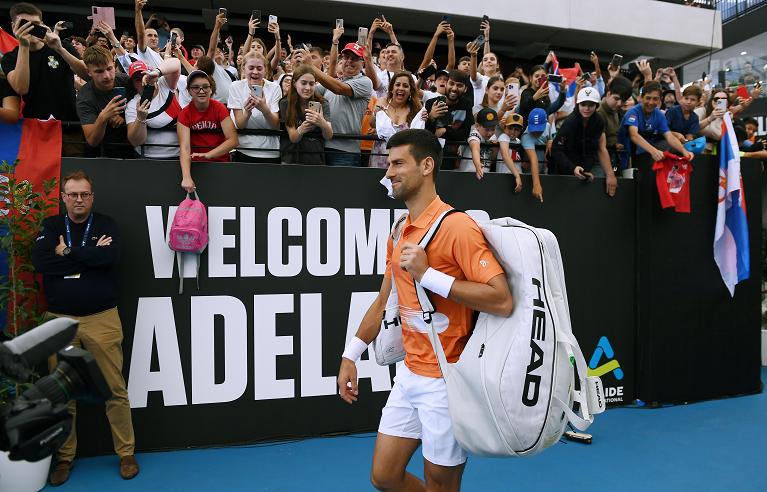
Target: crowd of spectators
[{"x": 269, "y": 101}]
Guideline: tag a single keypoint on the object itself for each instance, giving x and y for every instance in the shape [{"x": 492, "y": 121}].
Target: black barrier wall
[
  {"x": 296, "y": 256},
  {"x": 694, "y": 341}
]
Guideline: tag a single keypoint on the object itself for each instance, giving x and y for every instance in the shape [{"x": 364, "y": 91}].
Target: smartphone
[
  {"x": 256, "y": 15},
  {"x": 68, "y": 25},
  {"x": 119, "y": 91},
  {"x": 513, "y": 88},
  {"x": 442, "y": 99},
  {"x": 557, "y": 79},
  {"x": 362, "y": 36},
  {"x": 339, "y": 23},
  {"x": 446, "y": 19},
  {"x": 173, "y": 40},
  {"x": 258, "y": 91},
  {"x": 39, "y": 32},
  {"x": 617, "y": 60},
  {"x": 315, "y": 106},
  {"x": 381, "y": 16},
  {"x": 222, "y": 11},
  {"x": 586, "y": 76},
  {"x": 146, "y": 93},
  {"x": 480, "y": 40},
  {"x": 272, "y": 19},
  {"x": 485, "y": 18},
  {"x": 722, "y": 104}
]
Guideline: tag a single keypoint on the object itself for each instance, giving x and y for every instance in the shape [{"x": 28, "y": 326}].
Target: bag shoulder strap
[{"x": 427, "y": 307}]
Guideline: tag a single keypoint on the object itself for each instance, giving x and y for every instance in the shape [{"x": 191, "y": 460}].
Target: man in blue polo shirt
[
  {"x": 645, "y": 126},
  {"x": 682, "y": 120}
]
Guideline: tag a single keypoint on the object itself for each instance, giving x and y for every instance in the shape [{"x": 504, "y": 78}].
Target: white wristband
[
  {"x": 354, "y": 349},
  {"x": 437, "y": 282}
]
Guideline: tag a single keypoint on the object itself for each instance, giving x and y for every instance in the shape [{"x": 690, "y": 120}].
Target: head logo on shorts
[{"x": 612, "y": 365}]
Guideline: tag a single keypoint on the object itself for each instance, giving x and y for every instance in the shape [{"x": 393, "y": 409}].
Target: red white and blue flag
[
  {"x": 731, "y": 250},
  {"x": 569, "y": 74}
]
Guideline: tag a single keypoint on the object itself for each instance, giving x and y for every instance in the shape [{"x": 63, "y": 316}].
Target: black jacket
[
  {"x": 575, "y": 144},
  {"x": 95, "y": 289}
]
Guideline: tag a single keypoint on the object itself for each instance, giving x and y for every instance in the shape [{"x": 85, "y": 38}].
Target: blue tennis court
[{"x": 708, "y": 446}]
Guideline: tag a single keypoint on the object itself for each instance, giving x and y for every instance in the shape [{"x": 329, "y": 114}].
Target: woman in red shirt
[{"x": 203, "y": 126}]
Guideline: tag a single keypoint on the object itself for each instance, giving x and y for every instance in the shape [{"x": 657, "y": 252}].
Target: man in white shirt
[{"x": 147, "y": 49}]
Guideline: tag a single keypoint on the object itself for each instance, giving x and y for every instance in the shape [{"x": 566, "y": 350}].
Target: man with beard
[
  {"x": 450, "y": 117},
  {"x": 464, "y": 276}
]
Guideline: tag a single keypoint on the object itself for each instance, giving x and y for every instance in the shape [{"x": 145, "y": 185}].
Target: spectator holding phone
[
  {"x": 682, "y": 119},
  {"x": 217, "y": 69},
  {"x": 348, "y": 98},
  {"x": 580, "y": 147},
  {"x": 101, "y": 106},
  {"x": 41, "y": 70},
  {"x": 148, "y": 47},
  {"x": 205, "y": 130},
  {"x": 402, "y": 111},
  {"x": 450, "y": 116},
  {"x": 305, "y": 116},
  {"x": 536, "y": 95},
  {"x": 496, "y": 97},
  {"x": 254, "y": 100},
  {"x": 645, "y": 127},
  {"x": 710, "y": 117},
  {"x": 159, "y": 94}
]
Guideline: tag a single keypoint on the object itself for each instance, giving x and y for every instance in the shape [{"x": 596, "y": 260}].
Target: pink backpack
[{"x": 189, "y": 233}]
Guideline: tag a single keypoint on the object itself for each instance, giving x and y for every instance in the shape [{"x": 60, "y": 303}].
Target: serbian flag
[
  {"x": 731, "y": 251},
  {"x": 35, "y": 146}
]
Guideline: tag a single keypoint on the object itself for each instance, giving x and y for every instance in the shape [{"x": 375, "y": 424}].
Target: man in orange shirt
[{"x": 461, "y": 275}]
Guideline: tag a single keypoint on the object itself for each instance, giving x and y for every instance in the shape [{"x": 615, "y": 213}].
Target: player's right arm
[{"x": 368, "y": 330}]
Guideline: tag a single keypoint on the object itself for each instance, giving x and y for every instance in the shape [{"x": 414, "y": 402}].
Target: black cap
[{"x": 487, "y": 117}]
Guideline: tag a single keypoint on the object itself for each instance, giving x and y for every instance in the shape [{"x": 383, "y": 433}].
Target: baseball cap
[
  {"x": 442, "y": 73},
  {"x": 137, "y": 66},
  {"x": 200, "y": 47},
  {"x": 355, "y": 48},
  {"x": 536, "y": 122},
  {"x": 696, "y": 146},
  {"x": 511, "y": 119},
  {"x": 487, "y": 117},
  {"x": 588, "y": 94},
  {"x": 195, "y": 73}
]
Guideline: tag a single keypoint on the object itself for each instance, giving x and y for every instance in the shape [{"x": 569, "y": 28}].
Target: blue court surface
[{"x": 709, "y": 446}]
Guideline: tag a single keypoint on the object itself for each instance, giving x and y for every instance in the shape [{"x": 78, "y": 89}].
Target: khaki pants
[{"x": 101, "y": 334}]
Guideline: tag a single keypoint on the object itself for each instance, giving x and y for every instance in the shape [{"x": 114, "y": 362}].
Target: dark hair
[
  {"x": 463, "y": 59},
  {"x": 621, "y": 86},
  {"x": 24, "y": 8},
  {"x": 423, "y": 144},
  {"x": 535, "y": 68},
  {"x": 651, "y": 86},
  {"x": 77, "y": 176},
  {"x": 460, "y": 77},
  {"x": 413, "y": 102},
  {"x": 749, "y": 121}
]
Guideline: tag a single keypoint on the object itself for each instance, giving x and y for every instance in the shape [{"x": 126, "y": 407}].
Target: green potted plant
[{"x": 21, "y": 218}]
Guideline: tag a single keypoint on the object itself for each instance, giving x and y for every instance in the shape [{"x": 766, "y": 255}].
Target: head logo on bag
[{"x": 537, "y": 333}]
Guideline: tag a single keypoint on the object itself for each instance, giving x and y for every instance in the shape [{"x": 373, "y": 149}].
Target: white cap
[{"x": 588, "y": 94}]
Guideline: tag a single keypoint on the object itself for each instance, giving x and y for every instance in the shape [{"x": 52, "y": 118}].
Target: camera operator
[{"x": 77, "y": 253}]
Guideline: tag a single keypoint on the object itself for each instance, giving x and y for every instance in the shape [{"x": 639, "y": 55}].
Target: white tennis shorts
[{"x": 417, "y": 409}]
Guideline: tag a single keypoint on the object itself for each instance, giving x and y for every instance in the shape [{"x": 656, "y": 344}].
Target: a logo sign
[{"x": 605, "y": 350}]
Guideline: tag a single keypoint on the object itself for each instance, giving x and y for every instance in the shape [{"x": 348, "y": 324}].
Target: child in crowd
[
  {"x": 475, "y": 157},
  {"x": 508, "y": 161}
]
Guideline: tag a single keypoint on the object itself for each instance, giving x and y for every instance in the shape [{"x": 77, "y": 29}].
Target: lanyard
[{"x": 85, "y": 234}]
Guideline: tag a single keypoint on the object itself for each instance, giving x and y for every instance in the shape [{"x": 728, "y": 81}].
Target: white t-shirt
[
  {"x": 479, "y": 86},
  {"x": 485, "y": 153},
  {"x": 161, "y": 128},
  {"x": 223, "y": 84},
  {"x": 500, "y": 166},
  {"x": 239, "y": 93},
  {"x": 149, "y": 56},
  {"x": 428, "y": 95}
]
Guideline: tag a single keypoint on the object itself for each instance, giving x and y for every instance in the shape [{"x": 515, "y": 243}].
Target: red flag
[
  {"x": 570, "y": 74},
  {"x": 7, "y": 42},
  {"x": 743, "y": 93}
]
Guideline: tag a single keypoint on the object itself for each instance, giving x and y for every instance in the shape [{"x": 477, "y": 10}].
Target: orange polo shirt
[{"x": 458, "y": 249}]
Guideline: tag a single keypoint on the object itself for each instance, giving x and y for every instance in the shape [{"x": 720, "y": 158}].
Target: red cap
[
  {"x": 137, "y": 66},
  {"x": 355, "y": 48}
]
